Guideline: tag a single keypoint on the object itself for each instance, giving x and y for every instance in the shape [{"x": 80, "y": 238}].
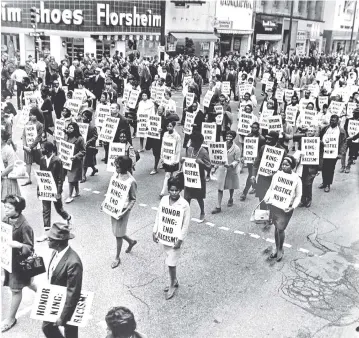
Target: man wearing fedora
[{"x": 65, "y": 269}]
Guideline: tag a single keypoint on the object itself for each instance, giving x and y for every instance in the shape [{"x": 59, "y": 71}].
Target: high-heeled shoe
[{"x": 94, "y": 171}]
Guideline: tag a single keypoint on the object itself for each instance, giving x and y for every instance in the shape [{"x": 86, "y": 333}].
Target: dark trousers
[
  {"x": 106, "y": 146},
  {"x": 18, "y": 94},
  {"x": 328, "y": 170},
  {"x": 249, "y": 182},
  {"x": 46, "y": 211},
  {"x": 52, "y": 331}
]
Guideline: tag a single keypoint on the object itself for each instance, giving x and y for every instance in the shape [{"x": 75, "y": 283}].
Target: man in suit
[
  {"x": 97, "y": 85},
  {"x": 58, "y": 98},
  {"x": 68, "y": 81},
  {"x": 65, "y": 269},
  {"x": 230, "y": 77},
  {"x": 50, "y": 162}
]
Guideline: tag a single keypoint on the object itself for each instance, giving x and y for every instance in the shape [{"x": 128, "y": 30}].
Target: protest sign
[
  {"x": 279, "y": 94},
  {"x": 303, "y": 104},
  {"x": 27, "y": 97},
  {"x": 275, "y": 123},
  {"x": 49, "y": 303},
  {"x": 283, "y": 190},
  {"x": 288, "y": 93},
  {"x": 350, "y": 107},
  {"x": 242, "y": 89},
  {"x": 115, "y": 149},
  {"x": 59, "y": 132},
  {"x": 160, "y": 93},
  {"x": 219, "y": 114},
  {"x": 207, "y": 98},
  {"x": 169, "y": 155},
  {"x": 185, "y": 83},
  {"x": 66, "y": 152},
  {"x": 102, "y": 111},
  {"x": 353, "y": 129},
  {"x": 189, "y": 121},
  {"x": 242, "y": 105},
  {"x": 84, "y": 128},
  {"x": 336, "y": 107},
  {"x": 331, "y": 145},
  {"x": 244, "y": 123},
  {"x": 78, "y": 95},
  {"x": 269, "y": 85},
  {"x": 189, "y": 99},
  {"x": 265, "y": 78},
  {"x": 327, "y": 85},
  {"x": 270, "y": 161},
  {"x": 126, "y": 92},
  {"x": 142, "y": 122},
  {"x": 6, "y": 250},
  {"x": 310, "y": 150},
  {"x": 291, "y": 115},
  {"x": 278, "y": 75},
  {"x": 263, "y": 118},
  {"x": 132, "y": 100},
  {"x": 314, "y": 90},
  {"x": 73, "y": 105},
  {"x": 191, "y": 175},
  {"x": 218, "y": 153},
  {"x": 309, "y": 118},
  {"x": 30, "y": 134},
  {"x": 109, "y": 128},
  {"x": 170, "y": 225},
  {"x": 46, "y": 185},
  {"x": 153, "y": 92},
  {"x": 116, "y": 196},
  {"x": 226, "y": 87},
  {"x": 209, "y": 132},
  {"x": 164, "y": 102},
  {"x": 322, "y": 100},
  {"x": 154, "y": 126},
  {"x": 250, "y": 149},
  {"x": 23, "y": 117}
]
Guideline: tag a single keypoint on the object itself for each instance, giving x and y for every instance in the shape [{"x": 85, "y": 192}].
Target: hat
[
  {"x": 356, "y": 111},
  {"x": 273, "y": 134},
  {"x": 60, "y": 232},
  {"x": 98, "y": 69}
]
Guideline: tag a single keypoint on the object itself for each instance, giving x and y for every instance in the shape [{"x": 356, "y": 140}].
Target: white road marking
[
  {"x": 239, "y": 232},
  {"x": 142, "y": 205},
  {"x": 303, "y": 250},
  {"x": 224, "y": 228},
  {"x": 287, "y": 245},
  {"x": 254, "y": 235},
  {"x": 87, "y": 189},
  {"x": 154, "y": 208},
  {"x": 96, "y": 192},
  {"x": 210, "y": 224},
  {"x": 270, "y": 240},
  {"x": 196, "y": 220}
]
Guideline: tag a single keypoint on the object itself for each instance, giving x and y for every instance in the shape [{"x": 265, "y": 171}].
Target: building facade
[
  {"x": 273, "y": 21},
  {"x": 234, "y": 25},
  {"x": 339, "y": 21},
  {"x": 79, "y": 27},
  {"x": 193, "y": 20}
]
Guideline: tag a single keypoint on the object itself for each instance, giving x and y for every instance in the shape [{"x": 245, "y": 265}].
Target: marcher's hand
[
  {"x": 160, "y": 130},
  {"x": 72, "y": 158},
  {"x": 177, "y": 244},
  {"x": 349, "y": 138},
  {"x": 58, "y": 196},
  {"x": 27, "y": 149},
  {"x": 227, "y": 165},
  {"x": 287, "y": 209},
  {"x": 59, "y": 322},
  {"x": 154, "y": 237},
  {"x": 15, "y": 245},
  {"x": 339, "y": 157},
  {"x": 253, "y": 179}
]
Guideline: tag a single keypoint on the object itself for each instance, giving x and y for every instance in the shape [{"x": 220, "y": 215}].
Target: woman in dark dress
[
  {"x": 75, "y": 174},
  {"x": 47, "y": 109},
  {"x": 22, "y": 245}
]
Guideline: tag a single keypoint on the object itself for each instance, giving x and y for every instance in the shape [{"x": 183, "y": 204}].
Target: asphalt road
[{"x": 228, "y": 285}]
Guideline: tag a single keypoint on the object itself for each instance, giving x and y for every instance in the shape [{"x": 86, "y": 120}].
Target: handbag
[
  {"x": 259, "y": 216},
  {"x": 92, "y": 150},
  {"x": 32, "y": 266},
  {"x": 137, "y": 155}
]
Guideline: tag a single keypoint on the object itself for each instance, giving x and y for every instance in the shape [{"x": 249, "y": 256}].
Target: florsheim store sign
[{"x": 83, "y": 15}]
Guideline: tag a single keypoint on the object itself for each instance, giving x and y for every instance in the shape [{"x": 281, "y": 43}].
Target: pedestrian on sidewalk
[
  {"x": 123, "y": 166},
  {"x": 176, "y": 205}
]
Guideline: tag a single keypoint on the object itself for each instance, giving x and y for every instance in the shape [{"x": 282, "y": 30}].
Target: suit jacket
[
  {"x": 70, "y": 83},
  {"x": 55, "y": 166},
  {"x": 58, "y": 100},
  {"x": 68, "y": 273},
  {"x": 97, "y": 86},
  {"x": 91, "y": 136}
]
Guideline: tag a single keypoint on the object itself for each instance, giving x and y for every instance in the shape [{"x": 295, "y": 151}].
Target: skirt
[
  {"x": 172, "y": 255},
  {"x": 90, "y": 157},
  {"x": 75, "y": 174},
  {"x": 227, "y": 179},
  {"x": 9, "y": 187},
  {"x": 119, "y": 226},
  {"x": 195, "y": 193},
  {"x": 16, "y": 280},
  {"x": 33, "y": 156},
  {"x": 280, "y": 218},
  {"x": 170, "y": 168}
]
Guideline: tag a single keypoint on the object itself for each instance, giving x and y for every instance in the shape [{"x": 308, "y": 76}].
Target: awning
[
  {"x": 234, "y": 31},
  {"x": 195, "y": 36},
  {"x": 269, "y": 37}
]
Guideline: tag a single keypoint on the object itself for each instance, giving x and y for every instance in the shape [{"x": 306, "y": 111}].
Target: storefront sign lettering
[{"x": 237, "y": 3}]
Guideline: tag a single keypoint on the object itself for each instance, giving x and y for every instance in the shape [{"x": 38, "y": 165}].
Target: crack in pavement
[
  {"x": 142, "y": 285},
  {"x": 139, "y": 299}
]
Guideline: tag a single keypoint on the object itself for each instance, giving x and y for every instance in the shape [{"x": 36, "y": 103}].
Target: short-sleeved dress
[
  {"x": 119, "y": 226},
  {"x": 194, "y": 193},
  {"x": 23, "y": 233},
  {"x": 8, "y": 186},
  {"x": 75, "y": 174}
]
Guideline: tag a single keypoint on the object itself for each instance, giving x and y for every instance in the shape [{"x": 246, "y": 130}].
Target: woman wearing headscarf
[
  {"x": 74, "y": 175},
  {"x": 281, "y": 217},
  {"x": 228, "y": 175}
]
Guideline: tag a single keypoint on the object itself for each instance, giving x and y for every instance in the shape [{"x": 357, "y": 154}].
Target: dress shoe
[
  {"x": 327, "y": 188},
  {"x": 322, "y": 186},
  {"x": 308, "y": 203}
]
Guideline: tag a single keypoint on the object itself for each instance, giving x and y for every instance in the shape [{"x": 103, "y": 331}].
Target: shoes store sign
[{"x": 104, "y": 16}]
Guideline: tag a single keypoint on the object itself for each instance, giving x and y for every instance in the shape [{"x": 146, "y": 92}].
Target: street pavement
[{"x": 228, "y": 285}]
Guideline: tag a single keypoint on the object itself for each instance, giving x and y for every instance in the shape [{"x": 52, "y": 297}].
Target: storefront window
[
  {"x": 102, "y": 47},
  {"x": 226, "y": 44},
  {"x": 75, "y": 48},
  {"x": 237, "y": 44},
  {"x": 43, "y": 45},
  {"x": 10, "y": 44}
]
